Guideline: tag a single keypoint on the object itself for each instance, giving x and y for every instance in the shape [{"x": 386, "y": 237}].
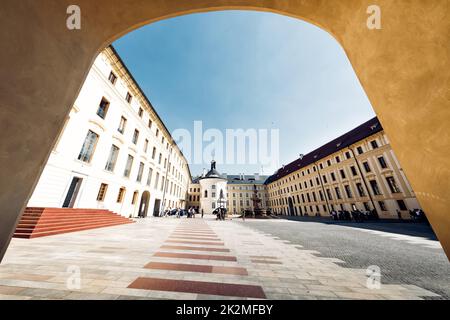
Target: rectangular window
[
  {"x": 112, "y": 159},
  {"x": 361, "y": 191},
  {"x": 141, "y": 112},
  {"x": 325, "y": 179},
  {"x": 342, "y": 172},
  {"x": 88, "y": 148},
  {"x": 348, "y": 191},
  {"x": 366, "y": 167},
  {"x": 129, "y": 97},
  {"x": 112, "y": 78},
  {"x": 157, "y": 132},
  {"x": 149, "y": 177},
  {"x": 338, "y": 159},
  {"x": 102, "y": 192},
  {"x": 333, "y": 177},
  {"x": 157, "y": 180},
  {"x": 401, "y": 204},
  {"x": 375, "y": 188},
  {"x": 121, "y": 195},
  {"x": 103, "y": 108},
  {"x": 122, "y": 125},
  {"x": 140, "y": 172},
  {"x": 382, "y": 205},
  {"x": 135, "y": 136},
  {"x": 360, "y": 150},
  {"x": 128, "y": 166},
  {"x": 393, "y": 185},
  {"x": 338, "y": 193},
  {"x": 382, "y": 162},
  {"x": 347, "y": 155},
  {"x": 160, "y": 158},
  {"x": 145, "y": 145},
  {"x": 154, "y": 153},
  {"x": 374, "y": 144},
  {"x": 330, "y": 197},
  {"x": 150, "y": 123},
  {"x": 353, "y": 170}
]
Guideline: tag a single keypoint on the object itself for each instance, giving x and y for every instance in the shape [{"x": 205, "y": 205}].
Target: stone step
[
  {"x": 41, "y": 228},
  {"x": 67, "y": 230},
  {"x": 39, "y": 222}
]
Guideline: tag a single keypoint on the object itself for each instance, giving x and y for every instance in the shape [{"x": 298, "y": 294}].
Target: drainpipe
[{"x": 363, "y": 179}]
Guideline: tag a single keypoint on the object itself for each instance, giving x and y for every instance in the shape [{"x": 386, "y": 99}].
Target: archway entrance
[
  {"x": 143, "y": 206},
  {"x": 291, "y": 207},
  {"x": 406, "y": 93}
]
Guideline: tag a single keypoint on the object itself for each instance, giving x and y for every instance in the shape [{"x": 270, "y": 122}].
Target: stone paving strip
[{"x": 144, "y": 261}]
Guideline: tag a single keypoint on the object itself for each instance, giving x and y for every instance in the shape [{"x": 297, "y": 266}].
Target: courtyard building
[
  {"x": 114, "y": 152},
  {"x": 356, "y": 171},
  {"x": 237, "y": 191}
]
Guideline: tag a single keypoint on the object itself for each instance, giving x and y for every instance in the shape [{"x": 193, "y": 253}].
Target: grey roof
[{"x": 246, "y": 179}]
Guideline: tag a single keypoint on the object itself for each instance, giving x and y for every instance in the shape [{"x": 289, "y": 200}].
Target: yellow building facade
[{"x": 356, "y": 171}]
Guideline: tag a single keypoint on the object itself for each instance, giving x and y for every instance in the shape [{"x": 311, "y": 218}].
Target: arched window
[{"x": 206, "y": 193}]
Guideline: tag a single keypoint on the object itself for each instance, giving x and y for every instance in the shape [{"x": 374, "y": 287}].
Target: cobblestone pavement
[
  {"x": 169, "y": 258},
  {"x": 407, "y": 253}
]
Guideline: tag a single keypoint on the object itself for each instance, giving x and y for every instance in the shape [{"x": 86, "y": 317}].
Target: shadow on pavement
[{"x": 405, "y": 227}]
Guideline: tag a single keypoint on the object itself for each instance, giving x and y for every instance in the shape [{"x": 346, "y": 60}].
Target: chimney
[
  {"x": 257, "y": 176},
  {"x": 204, "y": 172}
]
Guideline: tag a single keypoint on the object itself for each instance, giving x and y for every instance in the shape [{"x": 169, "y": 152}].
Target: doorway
[
  {"x": 72, "y": 193},
  {"x": 156, "y": 208},
  {"x": 143, "y": 206}
]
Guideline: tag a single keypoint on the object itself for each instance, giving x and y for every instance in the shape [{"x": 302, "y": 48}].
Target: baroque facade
[
  {"x": 357, "y": 170},
  {"x": 237, "y": 191},
  {"x": 114, "y": 151}
]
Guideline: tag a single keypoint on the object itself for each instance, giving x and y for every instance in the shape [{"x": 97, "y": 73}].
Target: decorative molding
[{"x": 98, "y": 124}]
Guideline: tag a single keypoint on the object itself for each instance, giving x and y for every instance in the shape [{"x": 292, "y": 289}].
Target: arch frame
[{"x": 403, "y": 69}]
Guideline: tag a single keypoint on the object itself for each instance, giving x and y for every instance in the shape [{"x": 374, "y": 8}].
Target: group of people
[
  {"x": 356, "y": 215},
  {"x": 417, "y": 215},
  {"x": 220, "y": 213},
  {"x": 178, "y": 212}
]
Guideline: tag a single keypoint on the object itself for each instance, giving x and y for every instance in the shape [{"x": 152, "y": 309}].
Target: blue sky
[{"x": 243, "y": 69}]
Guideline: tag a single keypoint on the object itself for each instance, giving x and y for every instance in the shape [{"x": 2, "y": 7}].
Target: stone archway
[
  {"x": 143, "y": 205},
  {"x": 403, "y": 68}
]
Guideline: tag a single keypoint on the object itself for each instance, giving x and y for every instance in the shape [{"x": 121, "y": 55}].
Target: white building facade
[
  {"x": 114, "y": 152},
  {"x": 213, "y": 190}
]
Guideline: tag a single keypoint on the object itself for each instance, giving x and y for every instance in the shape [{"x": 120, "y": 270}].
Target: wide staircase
[{"x": 41, "y": 222}]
